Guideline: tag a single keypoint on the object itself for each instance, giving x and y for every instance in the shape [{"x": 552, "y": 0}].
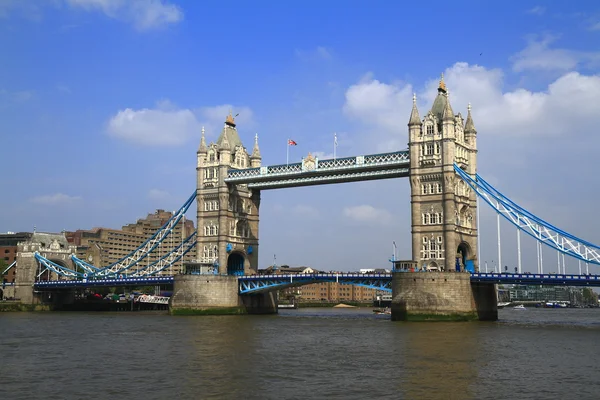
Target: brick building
[
  {"x": 8, "y": 251},
  {"x": 104, "y": 246}
]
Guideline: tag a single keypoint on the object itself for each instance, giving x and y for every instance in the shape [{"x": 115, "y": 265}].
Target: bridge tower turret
[
  {"x": 227, "y": 238},
  {"x": 444, "y": 208}
]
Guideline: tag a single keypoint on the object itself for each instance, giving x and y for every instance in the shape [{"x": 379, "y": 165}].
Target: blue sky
[{"x": 101, "y": 104}]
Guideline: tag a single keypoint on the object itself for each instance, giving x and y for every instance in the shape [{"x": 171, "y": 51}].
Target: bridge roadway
[{"x": 263, "y": 283}]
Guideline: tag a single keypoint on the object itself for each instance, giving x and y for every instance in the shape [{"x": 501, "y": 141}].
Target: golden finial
[
  {"x": 230, "y": 120},
  {"x": 442, "y": 86}
]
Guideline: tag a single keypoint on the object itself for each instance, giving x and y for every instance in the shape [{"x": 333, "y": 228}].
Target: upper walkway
[{"x": 312, "y": 171}]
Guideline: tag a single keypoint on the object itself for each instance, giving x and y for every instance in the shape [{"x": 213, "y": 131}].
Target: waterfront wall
[
  {"x": 216, "y": 294},
  {"x": 438, "y": 296}
]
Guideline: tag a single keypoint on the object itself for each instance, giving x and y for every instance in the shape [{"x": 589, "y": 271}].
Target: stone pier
[
  {"x": 441, "y": 296},
  {"x": 217, "y": 295}
]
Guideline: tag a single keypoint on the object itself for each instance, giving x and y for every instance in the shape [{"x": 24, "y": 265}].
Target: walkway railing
[{"x": 315, "y": 167}]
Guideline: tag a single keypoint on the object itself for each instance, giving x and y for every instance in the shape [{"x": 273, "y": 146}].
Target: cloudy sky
[{"x": 102, "y": 102}]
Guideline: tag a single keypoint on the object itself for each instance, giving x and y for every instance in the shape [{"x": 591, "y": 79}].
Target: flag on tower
[{"x": 292, "y": 143}]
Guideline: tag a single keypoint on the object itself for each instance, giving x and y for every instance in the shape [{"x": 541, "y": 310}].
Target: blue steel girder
[
  {"x": 83, "y": 283},
  {"x": 133, "y": 258},
  {"x": 537, "y": 279},
  {"x": 532, "y": 225},
  {"x": 347, "y": 169},
  {"x": 265, "y": 283}
]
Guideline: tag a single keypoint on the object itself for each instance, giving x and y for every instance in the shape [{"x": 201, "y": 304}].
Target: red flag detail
[{"x": 292, "y": 143}]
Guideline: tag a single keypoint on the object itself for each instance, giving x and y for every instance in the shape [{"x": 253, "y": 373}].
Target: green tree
[
  {"x": 3, "y": 266},
  {"x": 589, "y": 297}
]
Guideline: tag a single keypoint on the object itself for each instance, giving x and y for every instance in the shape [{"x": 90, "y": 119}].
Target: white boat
[{"x": 519, "y": 307}]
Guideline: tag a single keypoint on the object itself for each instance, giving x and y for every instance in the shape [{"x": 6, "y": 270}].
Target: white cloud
[
  {"x": 567, "y": 106},
  {"x": 157, "y": 194},
  {"x": 55, "y": 199},
  {"x": 144, "y": 14},
  {"x": 538, "y": 55},
  {"x": 63, "y": 88},
  {"x": 213, "y": 118},
  {"x": 379, "y": 105},
  {"x": 537, "y": 10},
  {"x": 20, "y": 96},
  {"x": 306, "y": 211},
  {"x": 595, "y": 26},
  {"x": 161, "y": 126},
  {"x": 321, "y": 155},
  {"x": 368, "y": 214},
  {"x": 26, "y": 9},
  {"x": 319, "y": 53}
]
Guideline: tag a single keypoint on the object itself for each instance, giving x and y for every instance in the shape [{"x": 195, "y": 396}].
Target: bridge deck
[
  {"x": 263, "y": 283},
  {"x": 317, "y": 172}
]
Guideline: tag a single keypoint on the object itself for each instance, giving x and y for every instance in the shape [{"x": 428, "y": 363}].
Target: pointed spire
[
  {"x": 255, "y": 150},
  {"x": 469, "y": 125},
  {"x": 203, "y": 148},
  {"x": 448, "y": 113},
  {"x": 415, "y": 119},
  {"x": 225, "y": 142},
  {"x": 442, "y": 85}
]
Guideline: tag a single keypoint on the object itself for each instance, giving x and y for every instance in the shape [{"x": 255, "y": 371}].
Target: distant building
[
  {"x": 8, "y": 251},
  {"x": 104, "y": 246},
  {"x": 324, "y": 291}
]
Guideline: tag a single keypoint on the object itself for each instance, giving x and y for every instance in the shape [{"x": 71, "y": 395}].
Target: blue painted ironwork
[
  {"x": 532, "y": 225},
  {"x": 537, "y": 279},
  {"x": 347, "y": 169},
  {"x": 132, "y": 259},
  {"x": 235, "y": 264},
  {"x": 57, "y": 268},
  {"x": 264, "y": 283},
  {"x": 82, "y": 283}
]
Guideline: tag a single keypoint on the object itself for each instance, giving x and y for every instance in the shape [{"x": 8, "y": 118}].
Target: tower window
[{"x": 430, "y": 129}]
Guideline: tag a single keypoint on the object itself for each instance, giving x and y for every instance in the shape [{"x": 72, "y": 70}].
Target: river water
[{"x": 299, "y": 354}]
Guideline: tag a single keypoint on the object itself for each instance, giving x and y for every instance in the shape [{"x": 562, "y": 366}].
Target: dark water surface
[{"x": 299, "y": 354}]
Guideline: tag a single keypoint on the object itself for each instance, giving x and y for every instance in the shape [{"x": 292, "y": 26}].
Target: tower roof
[
  {"x": 255, "y": 150},
  {"x": 202, "y": 148},
  {"x": 439, "y": 104},
  {"x": 415, "y": 119},
  {"x": 448, "y": 113},
  {"x": 469, "y": 125},
  {"x": 229, "y": 133}
]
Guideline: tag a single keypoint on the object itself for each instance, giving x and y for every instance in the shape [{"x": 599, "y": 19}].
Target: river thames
[{"x": 299, "y": 354}]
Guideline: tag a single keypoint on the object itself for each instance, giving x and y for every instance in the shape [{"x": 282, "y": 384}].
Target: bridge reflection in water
[{"x": 442, "y": 360}]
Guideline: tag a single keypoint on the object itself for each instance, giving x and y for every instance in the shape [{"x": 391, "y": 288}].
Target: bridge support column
[
  {"x": 441, "y": 296},
  {"x": 216, "y": 295},
  {"x": 25, "y": 278}
]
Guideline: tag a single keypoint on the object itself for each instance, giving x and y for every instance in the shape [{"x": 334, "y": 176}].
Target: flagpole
[
  {"x": 287, "y": 153},
  {"x": 334, "y": 144}
]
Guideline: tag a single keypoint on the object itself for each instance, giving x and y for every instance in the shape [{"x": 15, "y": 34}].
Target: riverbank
[{"x": 12, "y": 306}]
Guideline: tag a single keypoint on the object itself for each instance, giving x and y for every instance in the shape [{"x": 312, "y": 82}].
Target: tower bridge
[{"x": 444, "y": 278}]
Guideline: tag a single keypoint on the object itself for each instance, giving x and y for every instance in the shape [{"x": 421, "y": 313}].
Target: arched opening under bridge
[
  {"x": 463, "y": 252},
  {"x": 48, "y": 275},
  {"x": 235, "y": 264}
]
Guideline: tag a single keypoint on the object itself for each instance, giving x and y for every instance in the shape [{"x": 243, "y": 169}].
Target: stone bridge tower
[
  {"x": 54, "y": 247},
  {"x": 444, "y": 208},
  {"x": 227, "y": 239}
]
